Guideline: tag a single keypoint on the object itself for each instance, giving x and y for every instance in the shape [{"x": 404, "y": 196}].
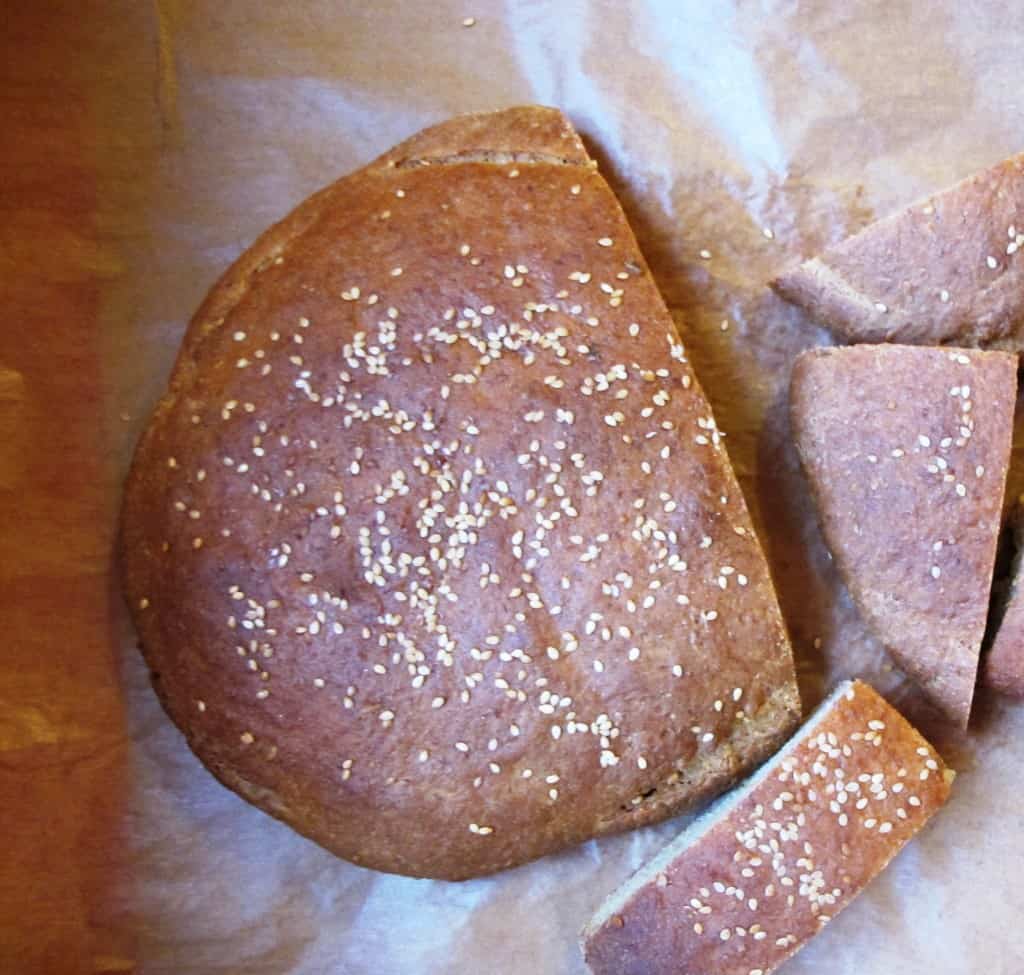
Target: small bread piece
[
  {"x": 1002, "y": 668},
  {"x": 945, "y": 270},
  {"x": 906, "y": 451},
  {"x": 433, "y": 545},
  {"x": 757, "y": 876}
]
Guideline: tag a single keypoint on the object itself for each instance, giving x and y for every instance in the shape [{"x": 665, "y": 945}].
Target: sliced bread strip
[
  {"x": 759, "y": 874},
  {"x": 906, "y": 451},
  {"x": 1003, "y": 667},
  {"x": 945, "y": 270}
]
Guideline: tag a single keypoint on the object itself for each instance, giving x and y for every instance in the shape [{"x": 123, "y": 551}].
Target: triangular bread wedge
[
  {"x": 946, "y": 270},
  {"x": 906, "y": 451},
  {"x": 1002, "y": 667},
  {"x": 752, "y": 880}
]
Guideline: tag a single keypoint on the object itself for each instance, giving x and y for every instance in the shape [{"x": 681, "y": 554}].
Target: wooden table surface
[{"x": 67, "y": 182}]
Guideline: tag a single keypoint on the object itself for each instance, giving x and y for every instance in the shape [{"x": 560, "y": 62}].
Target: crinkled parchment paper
[{"x": 751, "y": 132}]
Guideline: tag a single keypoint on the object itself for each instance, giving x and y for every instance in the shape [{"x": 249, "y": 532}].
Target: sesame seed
[
  {"x": 605, "y": 241},
  {"x": 705, "y": 254},
  {"x": 991, "y": 262},
  {"x": 468, "y": 21}
]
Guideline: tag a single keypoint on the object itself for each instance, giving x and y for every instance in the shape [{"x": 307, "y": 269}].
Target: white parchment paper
[{"x": 754, "y": 131}]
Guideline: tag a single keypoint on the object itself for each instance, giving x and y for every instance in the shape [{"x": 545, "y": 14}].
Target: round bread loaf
[{"x": 432, "y": 545}]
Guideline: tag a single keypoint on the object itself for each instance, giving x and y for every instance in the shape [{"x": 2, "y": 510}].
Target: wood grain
[{"x": 63, "y": 756}]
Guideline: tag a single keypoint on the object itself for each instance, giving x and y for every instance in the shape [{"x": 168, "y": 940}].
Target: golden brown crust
[
  {"x": 523, "y": 134},
  {"x": 906, "y": 451},
  {"x": 433, "y": 543},
  {"x": 755, "y": 881},
  {"x": 945, "y": 270}
]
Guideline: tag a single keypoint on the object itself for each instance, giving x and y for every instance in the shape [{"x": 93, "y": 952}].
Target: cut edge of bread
[
  {"x": 709, "y": 775},
  {"x": 706, "y": 821}
]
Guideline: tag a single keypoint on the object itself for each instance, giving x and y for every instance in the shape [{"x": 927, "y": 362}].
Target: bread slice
[
  {"x": 945, "y": 270},
  {"x": 433, "y": 545},
  {"x": 906, "y": 451},
  {"x": 757, "y": 876},
  {"x": 1002, "y": 668}
]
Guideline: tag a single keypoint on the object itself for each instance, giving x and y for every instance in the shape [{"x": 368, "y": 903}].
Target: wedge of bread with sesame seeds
[
  {"x": 944, "y": 271},
  {"x": 906, "y": 450},
  {"x": 1002, "y": 668},
  {"x": 752, "y": 880},
  {"x": 433, "y": 545}
]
